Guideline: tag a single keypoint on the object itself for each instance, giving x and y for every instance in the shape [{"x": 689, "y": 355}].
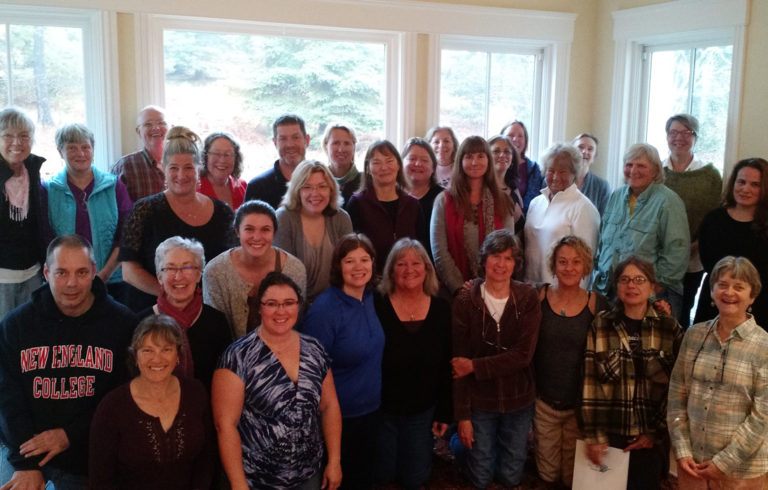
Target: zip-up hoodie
[{"x": 54, "y": 370}]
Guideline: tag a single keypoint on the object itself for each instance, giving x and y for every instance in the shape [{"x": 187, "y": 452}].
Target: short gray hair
[
  {"x": 563, "y": 151},
  {"x": 179, "y": 243},
  {"x": 72, "y": 133},
  {"x": 740, "y": 268},
  {"x": 687, "y": 120},
  {"x": 11, "y": 117},
  {"x": 649, "y": 152},
  {"x": 400, "y": 248}
]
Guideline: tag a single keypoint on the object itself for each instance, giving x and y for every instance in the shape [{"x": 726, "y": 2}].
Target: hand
[
  {"x": 439, "y": 428},
  {"x": 462, "y": 367},
  {"x": 25, "y": 480},
  {"x": 709, "y": 471},
  {"x": 595, "y": 452},
  {"x": 466, "y": 433},
  {"x": 689, "y": 466},
  {"x": 640, "y": 442},
  {"x": 50, "y": 442},
  {"x": 466, "y": 286},
  {"x": 662, "y": 306},
  {"x": 332, "y": 476}
]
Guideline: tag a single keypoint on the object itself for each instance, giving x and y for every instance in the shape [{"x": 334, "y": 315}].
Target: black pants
[
  {"x": 647, "y": 467},
  {"x": 357, "y": 449}
]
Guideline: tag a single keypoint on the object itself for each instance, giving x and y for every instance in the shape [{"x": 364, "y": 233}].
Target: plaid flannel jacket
[{"x": 616, "y": 399}]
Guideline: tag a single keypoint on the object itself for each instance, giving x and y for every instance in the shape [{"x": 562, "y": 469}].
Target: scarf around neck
[
  {"x": 17, "y": 194},
  {"x": 185, "y": 318},
  {"x": 487, "y": 221}
]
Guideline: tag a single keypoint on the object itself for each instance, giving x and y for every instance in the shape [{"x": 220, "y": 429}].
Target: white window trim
[
  {"x": 680, "y": 22},
  {"x": 100, "y": 70},
  {"x": 400, "y": 51}
]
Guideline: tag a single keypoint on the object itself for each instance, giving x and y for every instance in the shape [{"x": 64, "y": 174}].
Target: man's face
[
  {"x": 151, "y": 127},
  {"x": 291, "y": 144},
  {"x": 69, "y": 276}
]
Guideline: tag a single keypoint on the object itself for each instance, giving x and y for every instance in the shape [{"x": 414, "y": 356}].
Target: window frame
[
  {"x": 149, "y": 49},
  {"x": 686, "y": 23},
  {"x": 100, "y": 72}
]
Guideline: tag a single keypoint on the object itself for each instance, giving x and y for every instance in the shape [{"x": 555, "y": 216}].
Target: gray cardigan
[
  {"x": 290, "y": 235},
  {"x": 225, "y": 290}
]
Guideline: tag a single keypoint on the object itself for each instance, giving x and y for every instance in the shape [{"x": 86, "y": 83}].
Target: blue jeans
[
  {"x": 404, "y": 449},
  {"x": 14, "y": 294},
  {"x": 499, "y": 449},
  {"x": 55, "y": 478}
]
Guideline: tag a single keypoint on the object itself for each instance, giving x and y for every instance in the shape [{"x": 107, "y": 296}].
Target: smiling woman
[
  {"x": 222, "y": 165},
  {"x": 178, "y": 211}
]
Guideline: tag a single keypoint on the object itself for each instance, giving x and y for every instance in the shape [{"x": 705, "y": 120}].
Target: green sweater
[{"x": 700, "y": 191}]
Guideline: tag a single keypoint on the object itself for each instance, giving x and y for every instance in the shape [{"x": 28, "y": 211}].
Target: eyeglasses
[
  {"x": 187, "y": 270},
  {"x": 227, "y": 155},
  {"x": 154, "y": 124},
  {"x": 273, "y": 305},
  {"x": 638, "y": 280},
  {"x": 685, "y": 133},
  {"x": 315, "y": 188},
  {"x": 21, "y": 138},
  {"x": 506, "y": 153}
]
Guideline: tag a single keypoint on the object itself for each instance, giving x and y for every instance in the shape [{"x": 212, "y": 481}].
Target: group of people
[{"x": 319, "y": 325}]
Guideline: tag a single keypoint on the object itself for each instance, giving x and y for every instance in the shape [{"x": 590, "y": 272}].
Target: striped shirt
[
  {"x": 616, "y": 398},
  {"x": 718, "y": 399}
]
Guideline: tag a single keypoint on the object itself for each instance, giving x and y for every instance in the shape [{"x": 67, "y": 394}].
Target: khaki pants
[
  {"x": 556, "y": 433},
  {"x": 687, "y": 482}
]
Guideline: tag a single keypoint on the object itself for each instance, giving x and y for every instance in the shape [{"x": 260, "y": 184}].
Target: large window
[
  {"x": 480, "y": 91},
  {"x": 241, "y": 82},
  {"x": 692, "y": 80},
  {"x": 51, "y": 66}
]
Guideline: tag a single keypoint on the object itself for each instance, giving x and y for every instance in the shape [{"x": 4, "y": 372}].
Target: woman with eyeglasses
[
  {"x": 178, "y": 211},
  {"x": 629, "y": 356},
  {"x": 206, "y": 333},
  {"x": 310, "y": 222},
  {"x": 506, "y": 161},
  {"x": 739, "y": 228},
  {"x": 274, "y": 401},
  {"x": 495, "y": 327},
  {"x": 718, "y": 395},
  {"x": 20, "y": 215},
  {"x": 699, "y": 186},
  {"x": 343, "y": 319},
  {"x": 222, "y": 165}
]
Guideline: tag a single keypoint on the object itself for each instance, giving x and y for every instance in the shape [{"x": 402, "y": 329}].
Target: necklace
[
  {"x": 564, "y": 307},
  {"x": 285, "y": 346}
]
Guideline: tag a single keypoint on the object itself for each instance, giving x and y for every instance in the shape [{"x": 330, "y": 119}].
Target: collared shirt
[
  {"x": 718, "y": 399},
  {"x": 617, "y": 399},
  {"x": 140, "y": 174}
]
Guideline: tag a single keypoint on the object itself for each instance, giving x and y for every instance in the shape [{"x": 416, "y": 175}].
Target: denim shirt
[{"x": 657, "y": 231}]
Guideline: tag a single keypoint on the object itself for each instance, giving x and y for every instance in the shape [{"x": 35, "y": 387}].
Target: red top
[{"x": 236, "y": 186}]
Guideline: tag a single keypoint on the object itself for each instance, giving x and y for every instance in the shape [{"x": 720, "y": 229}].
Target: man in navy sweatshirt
[{"x": 60, "y": 353}]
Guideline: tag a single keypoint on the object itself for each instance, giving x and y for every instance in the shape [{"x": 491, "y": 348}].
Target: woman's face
[
  {"x": 475, "y": 165},
  {"x": 639, "y": 174},
  {"x": 256, "y": 232},
  {"x": 156, "y": 358},
  {"x": 315, "y": 194},
  {"x": 410, "y": 271},
  {"x": 630, "y": 292},
  {"x": 502, "y": 156},
  {"x": 340, "y": 148},
  {"x": 517, "y": 134},
  {"x": 356, "y": 268},
  {"x": 279, "y": 309},
  {"x": 78, "y": 156},
  {"x": 384, "y": 169},
  {"x": 588, "y": 149},
  {"x": 15, "y": 146},
  {"x": 442, "y": 144},
  {"x": 559, "y": 175},
  {"x": 499, "y": 267},
  {"x": 747, "y": 187},
  {"x": 569, "y": 266},
  {"x": 731, "y": 296},
  {"x": 680, "y": 139},
  {"x": 221, "y": 159},
  {"x": 181, "y": 174},
  {"x": 418, "y": 165},
  {"x": 179, "y": 276}
]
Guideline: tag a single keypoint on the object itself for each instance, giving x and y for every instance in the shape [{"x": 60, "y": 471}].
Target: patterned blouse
[{"x": 279, "y": 426}]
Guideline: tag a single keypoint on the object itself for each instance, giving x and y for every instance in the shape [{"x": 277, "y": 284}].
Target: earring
[
  {"x": 712, "y": 304},
  {"x": 749, "y": 309}
]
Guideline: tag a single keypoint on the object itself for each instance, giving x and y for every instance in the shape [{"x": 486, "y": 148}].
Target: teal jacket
[
  {"x": 657, "y": 231},
  {"x": 102, "y": 212}
]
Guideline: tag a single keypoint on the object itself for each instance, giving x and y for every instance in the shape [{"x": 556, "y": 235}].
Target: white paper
[{"x": 611, "y": 476}]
